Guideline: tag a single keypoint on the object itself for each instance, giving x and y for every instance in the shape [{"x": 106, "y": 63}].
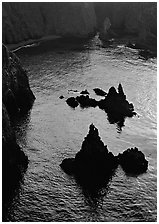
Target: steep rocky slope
[
  {"x": 17, "y": 99},
  {"x": 23, "y": 21}
]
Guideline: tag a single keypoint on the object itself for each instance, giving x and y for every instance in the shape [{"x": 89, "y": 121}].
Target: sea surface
[{"x": 53, "y": 131}]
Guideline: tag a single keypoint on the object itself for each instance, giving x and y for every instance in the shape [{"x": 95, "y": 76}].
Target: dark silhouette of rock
[
  {"x": 14, "y": 162},
  {"x": 73, "y": 90},
  {"x": 68, "y": 165},
  {"x": 84, "y": 92},
  {"x": 99, "y": 92},
  {"x": 16, "y": 93},
  {"x": 115, "y": 103},
  {"x": 86, "y": 101},
  {"x": 61, "y": 97},
  {"x": 72, "y": 102},
  {"x": 17, "y": 100},
  {"x": 133, "y": 161},
  {"x": 93, "y": 162}
]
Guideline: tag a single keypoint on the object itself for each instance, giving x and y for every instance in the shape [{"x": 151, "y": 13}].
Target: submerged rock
[
  {"x": 133, "y": 161},
  {"x": 35, "y": 20},
  {"x": 99, "y": 92},
  {"x": 93, "y": 161}
]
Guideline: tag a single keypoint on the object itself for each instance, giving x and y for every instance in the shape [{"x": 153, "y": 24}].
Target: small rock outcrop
[
  {"x": 84, "y": 92},
  {"x": 99, "y": 92},
  {"x": 37, "y": 20},
  {"x": 93, "y": 161},
  {"x": 115, "y": 103},
  {"x": 133, "y": 161}
]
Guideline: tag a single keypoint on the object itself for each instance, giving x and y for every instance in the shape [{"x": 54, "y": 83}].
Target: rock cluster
[
  {"x": 16, "y": 93},
  {"x": 94, "y": 161},
  {"x": 114, "y": 104}
]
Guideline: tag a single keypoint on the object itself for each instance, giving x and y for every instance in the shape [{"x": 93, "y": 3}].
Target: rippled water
[{"x": 54, "y": 131}]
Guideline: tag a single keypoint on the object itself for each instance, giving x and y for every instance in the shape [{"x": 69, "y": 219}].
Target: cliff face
[
  {"x": 138, "y": 18},
  {"x": 17, "y": 98},
  {"x": 23, "y": 21},
  {"x": 128, "y": 16},
  {"x": 16, "y": 93}
]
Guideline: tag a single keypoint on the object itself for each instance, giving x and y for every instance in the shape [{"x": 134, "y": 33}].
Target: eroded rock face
[
  {"x": 16, "y": 93},
  {"x": 115, "y": 103},
  {"x": 36, "y": 20},
  {"x": 17, "y": 99}
]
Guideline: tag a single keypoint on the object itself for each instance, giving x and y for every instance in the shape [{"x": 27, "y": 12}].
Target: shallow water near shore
[{"x": 54, "y": 131}]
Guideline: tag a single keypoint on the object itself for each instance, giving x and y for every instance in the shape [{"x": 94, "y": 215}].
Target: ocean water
[{"x": 54, "y": 131}]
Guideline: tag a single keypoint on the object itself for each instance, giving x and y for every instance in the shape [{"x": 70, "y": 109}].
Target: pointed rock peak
[
  {"x": 93, "y": 131},
  {"x": 120, "y": 89}
]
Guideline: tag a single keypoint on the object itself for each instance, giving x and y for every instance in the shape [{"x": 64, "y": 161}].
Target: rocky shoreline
[{"x": 17, "y": 100}]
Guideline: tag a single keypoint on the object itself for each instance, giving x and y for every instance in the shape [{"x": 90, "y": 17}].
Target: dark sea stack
[
  {"x": 133, "y": 161},
  {"x": 115, "y": 103},
  {"x": 16, "y": 93},
  {"x": 93, "y": 162},
  {"x": 99, "y": 92},
  {"x": 85, "y": 101},
  {"x": 72, "y": 102}
]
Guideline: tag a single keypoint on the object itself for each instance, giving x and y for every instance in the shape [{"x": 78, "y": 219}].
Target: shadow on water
[{"x": 94, "y": 190}]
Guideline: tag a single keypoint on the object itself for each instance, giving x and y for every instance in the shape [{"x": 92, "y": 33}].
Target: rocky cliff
[
  {"x": 137, "y": 18},
  {"x": 17, "y": 99},
  {"x": 22, "y": 21}
]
